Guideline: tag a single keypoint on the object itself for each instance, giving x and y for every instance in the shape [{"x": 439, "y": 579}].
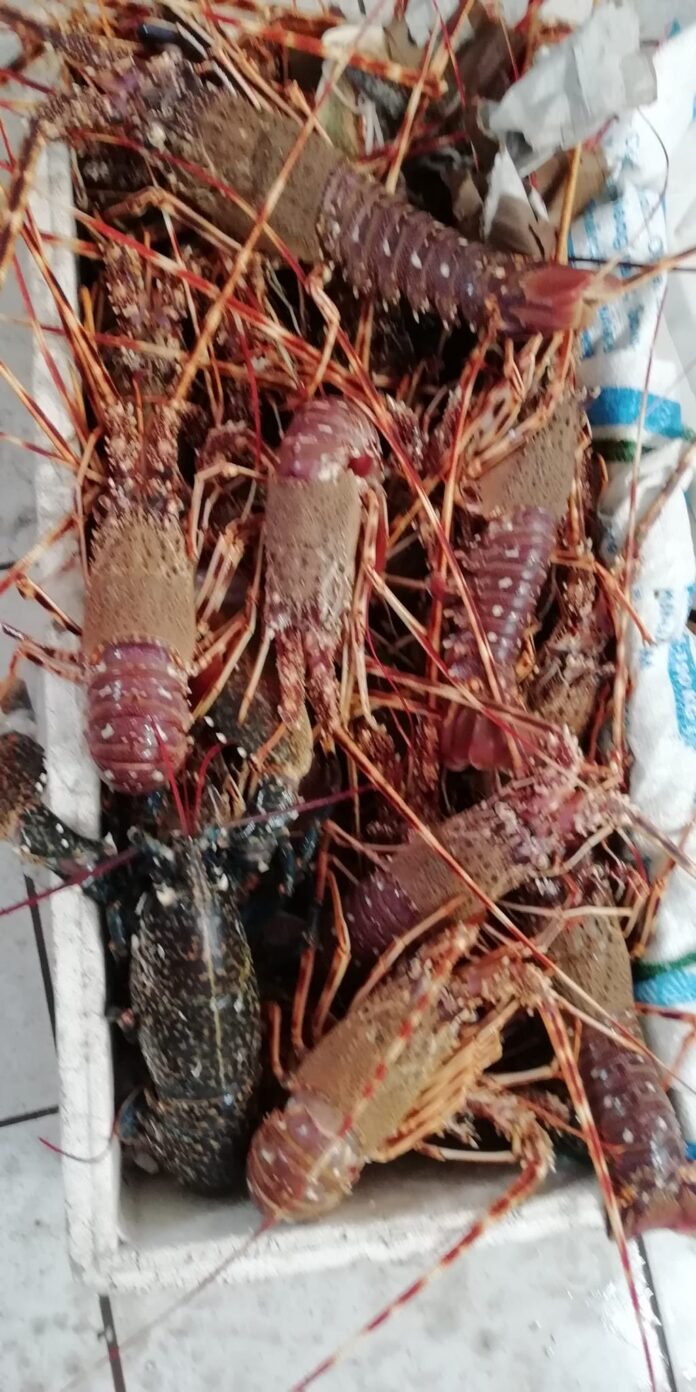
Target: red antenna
[
  {"x": 181, "y": 809},
  {"x": 200, "y": 781}
]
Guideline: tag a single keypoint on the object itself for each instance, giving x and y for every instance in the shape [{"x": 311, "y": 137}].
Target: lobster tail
[
  {"x": 639, "y": 1129},
  {"x": 470, "y": 739},
  {"x": 138, "y": 642},
  {"x": 509, "y": 567},
  {"x": 137, "y": 716},
  {"x": 634, "y": 1117},
  {"x": 388, "y": 248}
]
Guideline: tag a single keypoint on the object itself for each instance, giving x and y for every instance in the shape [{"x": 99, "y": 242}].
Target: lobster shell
[
  {"x": 138, "y": 643},
  {"x": 632, "y": 1112}
]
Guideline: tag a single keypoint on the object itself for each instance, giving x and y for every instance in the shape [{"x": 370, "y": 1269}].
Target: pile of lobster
[{"x": 351, "y": 671}]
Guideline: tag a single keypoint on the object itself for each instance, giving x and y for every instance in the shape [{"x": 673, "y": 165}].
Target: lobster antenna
[
  {"x": 558, "y": 1034},
  {"x": 93, "y": 1159},
  {"x": 79, "y": 878},
  {"x": 181, "y": 811},
  {"x": 206, "y": 761},
  {"x": 180, "y": 1303}
]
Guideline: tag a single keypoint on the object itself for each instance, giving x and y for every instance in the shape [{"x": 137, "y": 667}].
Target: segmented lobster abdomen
[
  {"x": 500, "y": 843},
  {"x": 638, "y": 1127},
  {"x": 509, "y": 566},
  {"x": 387, "y": 247},
  {"x": 639, "y": 1131},
  {"x": 137, "y": 715}
]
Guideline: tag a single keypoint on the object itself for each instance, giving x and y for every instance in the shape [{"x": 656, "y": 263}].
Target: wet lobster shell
[
  {"x": 329, "y": 453},
  {"x": 193, "y": 988},
  {"x": 303, "y": 1160},
  {"x": 136, "y": 702},
  {"x": 196, "y": 1003},
  {"x": 500, "y": 842},
  {"x": 137, "y": 645},
  {"x": 637, "y": 1125},
  {"x": 509, "y": 566},
  {"x": 386, "y": 247},
  {"x": 327, "y": 210}
]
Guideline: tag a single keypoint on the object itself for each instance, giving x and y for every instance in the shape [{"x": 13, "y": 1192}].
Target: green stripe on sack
[{"x": 643, "y": 971}]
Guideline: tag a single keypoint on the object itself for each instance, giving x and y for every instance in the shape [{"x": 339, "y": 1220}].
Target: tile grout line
[
  {"x": 43, "y": 954},
  {"x": 660, "y": 1332},
  {"x": 28, "y": 1116},
  {"x": 114, "y": 1351}
]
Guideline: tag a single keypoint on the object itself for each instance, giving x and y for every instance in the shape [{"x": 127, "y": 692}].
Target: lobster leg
[
  {"x": 374, "y": 537},
  {"x": 222, "y": 568},
  {"x": 533, "y": 1147},
  {"x": 28, "y": 589},
  {"x": 232, "y": 643},
  {"x": 299, "y": 1002},
  {"x": 59, "y": 662},
  {"x": 275, "y": 1024},
  {"x": 339, "y": 963}
]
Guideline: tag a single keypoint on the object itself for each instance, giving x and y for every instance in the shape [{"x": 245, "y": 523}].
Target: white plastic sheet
[
  {"x": 649, "y": 207},
  {"x": 574, "y": 87}
]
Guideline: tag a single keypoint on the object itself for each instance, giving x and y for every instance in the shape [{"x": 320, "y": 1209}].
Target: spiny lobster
[{"x": 236, "y": 162}]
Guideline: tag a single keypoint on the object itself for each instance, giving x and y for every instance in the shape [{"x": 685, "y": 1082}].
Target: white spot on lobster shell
[{"x": 166, "y": 896}]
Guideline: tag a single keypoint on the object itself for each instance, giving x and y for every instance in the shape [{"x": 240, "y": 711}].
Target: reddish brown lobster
[
  {"x": 139, "y": 627},
  {"x": 236, "y": 162},
  {"x": 328, "y": 460}
]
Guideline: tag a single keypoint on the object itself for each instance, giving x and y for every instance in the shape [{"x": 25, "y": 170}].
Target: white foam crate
[{"x": 145, "y": 1232}]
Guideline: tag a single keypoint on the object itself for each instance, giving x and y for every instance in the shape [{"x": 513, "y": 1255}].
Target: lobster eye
[{"x": 363, "y": 465}]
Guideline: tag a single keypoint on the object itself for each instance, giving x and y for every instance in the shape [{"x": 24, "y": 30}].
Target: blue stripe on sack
[
  {"x": 691, "y": 1150},
  {"x": 682, "y": 676},
  {"x": 622, "y": 405},
  {"x": 669, "y": 988}
]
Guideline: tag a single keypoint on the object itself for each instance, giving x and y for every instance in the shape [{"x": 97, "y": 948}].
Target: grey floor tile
[
  {"x": 50, "y": 1327},
  {"x": 672, "y": 1260},
  {"x": 538, "y": 1316}
]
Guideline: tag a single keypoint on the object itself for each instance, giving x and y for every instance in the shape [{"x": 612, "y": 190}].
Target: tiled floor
[
  {"x": 540, "y": 1318},
  {"x": 548, "y": 1315}
]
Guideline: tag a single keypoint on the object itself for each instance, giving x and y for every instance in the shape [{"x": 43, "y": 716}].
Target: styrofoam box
[{"x": 147, "y": 1232}]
